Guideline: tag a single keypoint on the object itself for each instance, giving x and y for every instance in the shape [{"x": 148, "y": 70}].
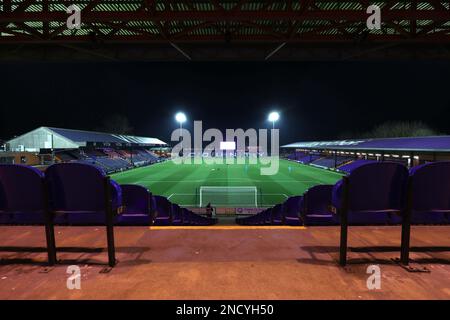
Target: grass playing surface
[{"x": 180, "y": 183}]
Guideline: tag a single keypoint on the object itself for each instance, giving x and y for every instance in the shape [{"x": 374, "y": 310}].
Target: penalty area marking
[{"x": 193, "y": 194}]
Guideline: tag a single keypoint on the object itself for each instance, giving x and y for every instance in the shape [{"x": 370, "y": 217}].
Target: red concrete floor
[{"x": 223, "y": 262}]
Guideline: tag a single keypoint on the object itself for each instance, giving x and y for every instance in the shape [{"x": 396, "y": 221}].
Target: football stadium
[{"x": 224, "y": 150}]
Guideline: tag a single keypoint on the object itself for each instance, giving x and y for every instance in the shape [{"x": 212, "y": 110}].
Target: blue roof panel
[{"x": 434, "y": 144}]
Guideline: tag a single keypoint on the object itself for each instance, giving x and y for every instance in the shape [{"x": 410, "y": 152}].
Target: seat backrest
[
  {"x": 76, "y": 187},
  {"x": 292, "y": 206},
  {"x": 277, "y": 211},
  {"x": 378, "y": 186},
  {"x": 162, "y": 206},
  {"x": 177, "y": 211},
  {"x": 21, "y": 188},
  {"x": 136, "y": 198},
  {"x": 318, "y": 199},
  {"x": 431, "y": 186}
]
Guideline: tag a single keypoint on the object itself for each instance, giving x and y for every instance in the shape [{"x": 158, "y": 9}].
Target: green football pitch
[{"x": 181, "y": 183}]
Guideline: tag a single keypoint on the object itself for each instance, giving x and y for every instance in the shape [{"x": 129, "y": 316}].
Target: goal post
[{"x": 219, "y": 196}]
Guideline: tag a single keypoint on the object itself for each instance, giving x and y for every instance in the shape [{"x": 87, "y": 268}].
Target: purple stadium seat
[
  {"x": 137, "y": 209},
  {"x": 77, "y": 191},
  {"x": 22, "y": 200},
  {"x": 167, "y": 213},
  {"x": 370, "y": 191},
  {"x": 292, "y": 211},
  {"x": 21, "y": 195},
  {"x": 369, "y": 203},
  {"x": 315, "y": 206},
  {"x": 177, "y": 215},
  {"x": 162, "y": 211},
  {"x": 431, "y": 193},
  {"x": 277, "y": 215},
  {"x": 257, "y": 219},
  {"x": 428, "y": 199},
  {"x": 86, "y": 195},
  {"x": 188, "y": 217},
  {"x": 265, "y": 217}
]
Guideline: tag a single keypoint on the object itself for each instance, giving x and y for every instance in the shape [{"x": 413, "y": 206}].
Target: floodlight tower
[
  {"x": 180, "y": 117},
  {"x": 273, "y": 117}
]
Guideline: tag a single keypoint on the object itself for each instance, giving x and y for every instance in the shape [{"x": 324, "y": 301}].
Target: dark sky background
[{"x": 316, "y": 100}]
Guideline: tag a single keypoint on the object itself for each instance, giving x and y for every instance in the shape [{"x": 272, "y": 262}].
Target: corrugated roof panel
[
  {"x": 101, "y": 137},
  {"x": 432, "y": 144}
]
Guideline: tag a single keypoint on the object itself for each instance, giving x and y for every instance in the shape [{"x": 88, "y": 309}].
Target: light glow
[
  {"x": 274, "y": 116},
  {"x": 180, "y": 117}
]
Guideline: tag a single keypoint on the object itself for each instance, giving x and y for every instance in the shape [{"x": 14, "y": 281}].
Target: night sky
[{"x": 316, "y": 100}]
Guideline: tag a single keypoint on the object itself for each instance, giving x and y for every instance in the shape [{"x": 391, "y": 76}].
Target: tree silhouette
[{"x": 116, "y": 123}]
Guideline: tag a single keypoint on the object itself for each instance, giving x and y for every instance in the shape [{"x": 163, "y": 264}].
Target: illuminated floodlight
[
  {"x": 273, "y": 117},
  {"x": 180, "y": 117}
]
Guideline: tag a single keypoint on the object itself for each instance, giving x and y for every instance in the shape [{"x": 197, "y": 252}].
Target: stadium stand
[
  {"x": 331, "y": 161},
  {"x": 303, "y": 157},
  {"x": 309, "y": 158},
  {"x": 167, "y": 213},
  {"x": 409, "y": 151},
  {"x": 110, "y": 152},
  {"x": 286, "y": 213},
  {"x": 349, "y": 167},
  {"x": 109, "y": 159}
]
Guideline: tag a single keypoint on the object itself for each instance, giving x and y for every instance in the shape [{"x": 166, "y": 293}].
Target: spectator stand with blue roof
[
  {"x": 344, "y": 155},
  {"x": 111, "y": 152}
]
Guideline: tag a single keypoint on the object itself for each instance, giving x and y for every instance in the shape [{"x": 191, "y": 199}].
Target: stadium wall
[{"x": 27, "y": 158}]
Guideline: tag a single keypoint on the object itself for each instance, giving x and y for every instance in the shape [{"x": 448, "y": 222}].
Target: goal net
[{"x": 228, "y": 196}]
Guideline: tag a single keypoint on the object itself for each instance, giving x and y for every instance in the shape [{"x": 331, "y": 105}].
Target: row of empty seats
[
  {"x": 318, "y": 206},
  {"x": 331, "y": 161},
  {"x": 421, "y": 194},
  {"x": 81, "y": 194},
  {"x": 167, "y": 213},
  {"x": 303, "y": 157},
  {"x": 110, "y": 160},
  {"x": 319, "y": 160},
  {"x": 285, "y": 213},
  {"x": 380, "y": 193}
]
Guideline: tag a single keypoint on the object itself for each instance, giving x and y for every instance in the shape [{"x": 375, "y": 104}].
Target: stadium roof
[
  {"x": 224, "y": 29},
  {"x": 413, "y": 144},
  {"x": 92, "y": 136},
  {"x": 58, "y": 138}
]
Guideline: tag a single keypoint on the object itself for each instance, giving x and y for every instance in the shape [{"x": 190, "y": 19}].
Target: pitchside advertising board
[
  {"x": 248, "y": 211},
  {"x": 229, "y": 211}
]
